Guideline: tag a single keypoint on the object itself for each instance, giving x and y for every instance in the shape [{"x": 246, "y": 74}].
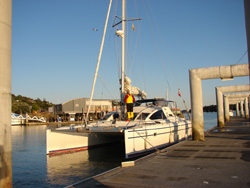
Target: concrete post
[
  {"x": 247, "y": 21},
  {"x": 246, "y": 108},
  {"x": 219, "y": 97},
  {"x": 5, "y": 93},
  {"x": 27, "y": 119},
  {"x": 220, "y": 111},
  {"x": 237, "y": 110},
  {"x": 249, "y": 105},
  {"x": 197, "y": 107},
  {"x": 241, "y": 109},
  {"x": 226, "y": 107}
]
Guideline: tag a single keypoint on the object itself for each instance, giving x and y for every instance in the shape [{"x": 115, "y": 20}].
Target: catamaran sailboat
[{"x": 154, "y": 124}]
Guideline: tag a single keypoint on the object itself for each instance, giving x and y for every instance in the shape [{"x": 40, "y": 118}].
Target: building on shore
[{"x": 76, "y": 109}]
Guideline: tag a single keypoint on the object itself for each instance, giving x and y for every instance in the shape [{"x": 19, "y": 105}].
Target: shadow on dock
[{"x": 223, "y": 160}]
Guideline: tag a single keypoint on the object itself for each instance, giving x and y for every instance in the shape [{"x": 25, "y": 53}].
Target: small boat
[{"x": 17, "y": 119}]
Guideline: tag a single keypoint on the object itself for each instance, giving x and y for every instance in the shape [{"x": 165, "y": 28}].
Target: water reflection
[
  {"x": 69, "y": 168},
  {"x": 29, "y": 156},
  {"x": 33, "y": 168},
  {"x": 61, "y": 168}
]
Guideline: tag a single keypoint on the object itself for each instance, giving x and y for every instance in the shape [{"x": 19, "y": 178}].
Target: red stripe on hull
[{"x": 64, "y": 151}]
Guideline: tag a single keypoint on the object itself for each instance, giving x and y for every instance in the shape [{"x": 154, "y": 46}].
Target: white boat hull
[
  {"x": 17, "y": 121},
  {"x": 59, "y": 142},
  {"x": 143, "y": 140}
]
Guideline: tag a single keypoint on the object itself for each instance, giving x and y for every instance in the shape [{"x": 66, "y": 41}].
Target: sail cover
[{"x": 133, "y": 90}]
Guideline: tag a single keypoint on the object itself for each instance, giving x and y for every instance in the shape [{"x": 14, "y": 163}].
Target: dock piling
[{"x": 5, "y": 94}]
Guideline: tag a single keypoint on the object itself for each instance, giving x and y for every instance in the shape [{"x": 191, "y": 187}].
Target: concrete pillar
[
  {"x": 241, "y": 109},
  {"x": 196, "y": 107},
  {"x": 246, "y": 108},
  {"x": 27, "y": 119},
  {"x": 220, "y": 111},
  {"x": 219, "y": 97},
  {"x": 247, "y": 21},
  {"x": 5, "y": 93},
  {"x": 237, "y": 110},
  {"x": 248, "y": 104},
  {"x": 226, "y": 107}
]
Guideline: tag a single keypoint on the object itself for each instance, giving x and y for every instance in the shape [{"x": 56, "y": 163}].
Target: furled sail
[{"x": 133, "y": 90}]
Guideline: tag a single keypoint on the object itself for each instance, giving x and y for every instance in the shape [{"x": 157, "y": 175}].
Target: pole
[
  {"x": 5, "y": 94},
  {"x": 196, "y": 106},
  {"x": 247, "y": 21},
  {"x": 123, "y": 61}
]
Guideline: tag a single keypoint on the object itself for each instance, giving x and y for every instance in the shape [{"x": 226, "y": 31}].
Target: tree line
[
  {"x": 210, "y": 108},
  {"x": 22, "y": 105}
]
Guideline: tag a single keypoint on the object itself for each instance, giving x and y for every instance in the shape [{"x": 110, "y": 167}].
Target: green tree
[
  {"x": 35, "y": 107},
  {"x": 20, "y": 107},
  {"x": 21, "y": 104}
]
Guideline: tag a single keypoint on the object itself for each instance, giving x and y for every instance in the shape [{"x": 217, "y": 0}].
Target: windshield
[
  {"x": 158, "y": 115},
  {"x": 142, "y": 116}
]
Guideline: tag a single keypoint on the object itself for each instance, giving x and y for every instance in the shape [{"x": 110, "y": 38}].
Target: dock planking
[{"x": 222, "y": 160}]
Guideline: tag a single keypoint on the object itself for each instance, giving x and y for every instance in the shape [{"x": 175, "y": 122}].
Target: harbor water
[{"x": 31, "y": 166}]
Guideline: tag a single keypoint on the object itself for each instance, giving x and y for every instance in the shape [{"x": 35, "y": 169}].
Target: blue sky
[{"x": 55, "y": 50}]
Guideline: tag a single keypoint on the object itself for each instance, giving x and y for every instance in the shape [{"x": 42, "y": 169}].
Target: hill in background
[{"x": 22, "y": 105}]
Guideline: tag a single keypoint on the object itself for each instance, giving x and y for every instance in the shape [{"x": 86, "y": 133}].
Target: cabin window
[
  {"x": 158, "y": 115},
  {"x": 142, "y": 116},
  {"x": 135, "y": 115}
]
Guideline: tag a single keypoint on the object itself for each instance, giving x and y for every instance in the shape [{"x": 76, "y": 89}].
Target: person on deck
[{"x": 129, "y": 100}]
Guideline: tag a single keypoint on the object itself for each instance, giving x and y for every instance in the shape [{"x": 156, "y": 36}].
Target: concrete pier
[
  {"x": 222, "y": 160},
  {"x": 226, "y": 72},
  {"x": 231, "y": 99},
  {"x": 219, "y": 99}
]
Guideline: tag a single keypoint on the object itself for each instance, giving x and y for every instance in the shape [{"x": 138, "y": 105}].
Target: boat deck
[{"x": 223, "y": 160}]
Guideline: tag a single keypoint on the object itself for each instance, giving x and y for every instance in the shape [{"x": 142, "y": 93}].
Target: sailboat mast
[
  {"x": 123, "y": 61},
  {"x": 122, "y": 34}
]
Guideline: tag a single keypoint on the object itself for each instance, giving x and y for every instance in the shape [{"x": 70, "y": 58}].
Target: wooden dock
[{"x": 223, "y": 160}]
